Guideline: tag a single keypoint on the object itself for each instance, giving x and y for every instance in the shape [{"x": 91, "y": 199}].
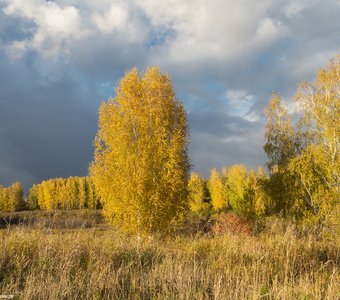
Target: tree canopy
[
  {"x": 140, "y": 166},
  {"x": 304, "y": 159}
]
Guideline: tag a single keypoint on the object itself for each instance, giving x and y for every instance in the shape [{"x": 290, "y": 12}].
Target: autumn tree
[
  {"x": 279, "y": 134},
  {"x": 319, "y": 103},
  {"x": 280, "y": 147},
  {"x": 240, "y": 190},
  {"x": 4, "y": 199},
  {"x": 261, "y": 199},
  {"x": 92, "y": 200},
  {"x": 216, "y": 190},
  {"x": 140, "y": 166},
  {"x": 317, "y": 168},
  {"x": 32, "y": 198},
  {"x": 82, "y": 191},
  {"x": 11, "y": 198},
  {"x": 45, "y": 197},
  {"x": 72, "y": 193},
  {"x": 199, "y": 199},
  {"x": 314, "y": 199},
  {"x": 304, "y": 160},
  {"x": 63, "y": 193}
]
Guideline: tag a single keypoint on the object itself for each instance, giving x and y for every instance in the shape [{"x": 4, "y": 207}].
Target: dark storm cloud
[
  {"x": 219, "y": 140},
  {"x": 47, "y": 126},
  {"x": 59, "y": 60},
  {"x": 218, "y": 123}
]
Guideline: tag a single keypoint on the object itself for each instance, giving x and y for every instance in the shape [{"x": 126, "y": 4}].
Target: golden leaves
[{"x": 140, "y": 164}]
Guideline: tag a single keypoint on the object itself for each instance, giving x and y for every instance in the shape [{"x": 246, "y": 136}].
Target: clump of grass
[{"x": 103, "y": 264}]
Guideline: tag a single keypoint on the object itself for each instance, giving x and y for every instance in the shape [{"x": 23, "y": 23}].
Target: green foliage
[
  {"x": 32, "y": 198},
  {"x": 66, "y": 194},
  {"x": 140, "y": 166},
  {"x": 281, "y": 189},
  {"x": 280, "y": 147},
  {"x": 317, "y": 169},
  {"x": 261, "y": 198},
  {"x": 240, "y": 190},
  {"x": 313, "y": 174},
  {"x": 11, "y": 198},
  {"x": 246, "y": 191}
]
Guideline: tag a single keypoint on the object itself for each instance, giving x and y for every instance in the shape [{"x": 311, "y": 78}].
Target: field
[{"x": 73, "y": 255}]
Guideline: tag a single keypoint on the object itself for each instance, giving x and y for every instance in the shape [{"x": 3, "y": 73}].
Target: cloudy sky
[{"x": 60, "y": 59}]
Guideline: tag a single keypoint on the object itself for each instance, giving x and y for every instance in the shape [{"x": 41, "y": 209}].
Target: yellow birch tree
[
  {"x": 198, "y": 194},
  {"x": 140, "y": 166},
  {"x": 217, "y": 190}
]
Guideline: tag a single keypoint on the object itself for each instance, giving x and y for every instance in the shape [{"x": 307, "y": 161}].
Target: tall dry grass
[{"x": 45, "y": 263}]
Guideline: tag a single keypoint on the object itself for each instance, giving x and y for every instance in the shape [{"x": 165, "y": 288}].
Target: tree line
[
  {"x": 234, "y": 188},
  {"x": 140, "y": 172},
  {"x": 58, "y": 193},
  {"x": 11, "y": 198},
  {"x": 302, "y": 159},
  {"x": 303, "y": 156},
  {"x": 61, "y": 193},
  {"x": 141, "y": 167}
]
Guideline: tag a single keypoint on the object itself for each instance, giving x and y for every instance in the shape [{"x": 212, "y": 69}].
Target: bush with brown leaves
[{"x": 229, "y": 223}]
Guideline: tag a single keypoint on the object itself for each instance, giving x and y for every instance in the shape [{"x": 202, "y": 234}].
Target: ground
[{"x": 74, "y": 255}]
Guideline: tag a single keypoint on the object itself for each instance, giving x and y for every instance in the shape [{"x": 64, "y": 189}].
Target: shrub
[{"x": 229, "y": 223}]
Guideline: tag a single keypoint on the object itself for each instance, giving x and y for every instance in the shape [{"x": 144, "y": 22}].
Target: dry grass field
[{"x": 65, "y": 256}]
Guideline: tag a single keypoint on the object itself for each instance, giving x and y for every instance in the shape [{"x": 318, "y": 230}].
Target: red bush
[{"x": 229, "y": 223}]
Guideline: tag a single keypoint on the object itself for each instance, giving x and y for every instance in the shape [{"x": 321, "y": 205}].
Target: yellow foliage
[
  {"x": 140, "y": 166},
  {"x": 238, "y": 190},
  {"x": 217, "y": 193},
  {"x": 66, "y": 194},
  {"x": 313, "y": 176},
  {"x": 11, "y": 198},
  {"x": 305, "y": 162},
  {"x": 279, "y": 134},
  {"x": 246, "y": 191},
  {"x": 197, "y": 194}
]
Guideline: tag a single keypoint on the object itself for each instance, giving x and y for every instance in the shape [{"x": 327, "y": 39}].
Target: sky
[{"x": 60, "y": 59}]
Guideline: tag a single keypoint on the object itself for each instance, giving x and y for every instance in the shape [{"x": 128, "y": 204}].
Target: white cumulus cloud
[{"x": 55, "y": 26}]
